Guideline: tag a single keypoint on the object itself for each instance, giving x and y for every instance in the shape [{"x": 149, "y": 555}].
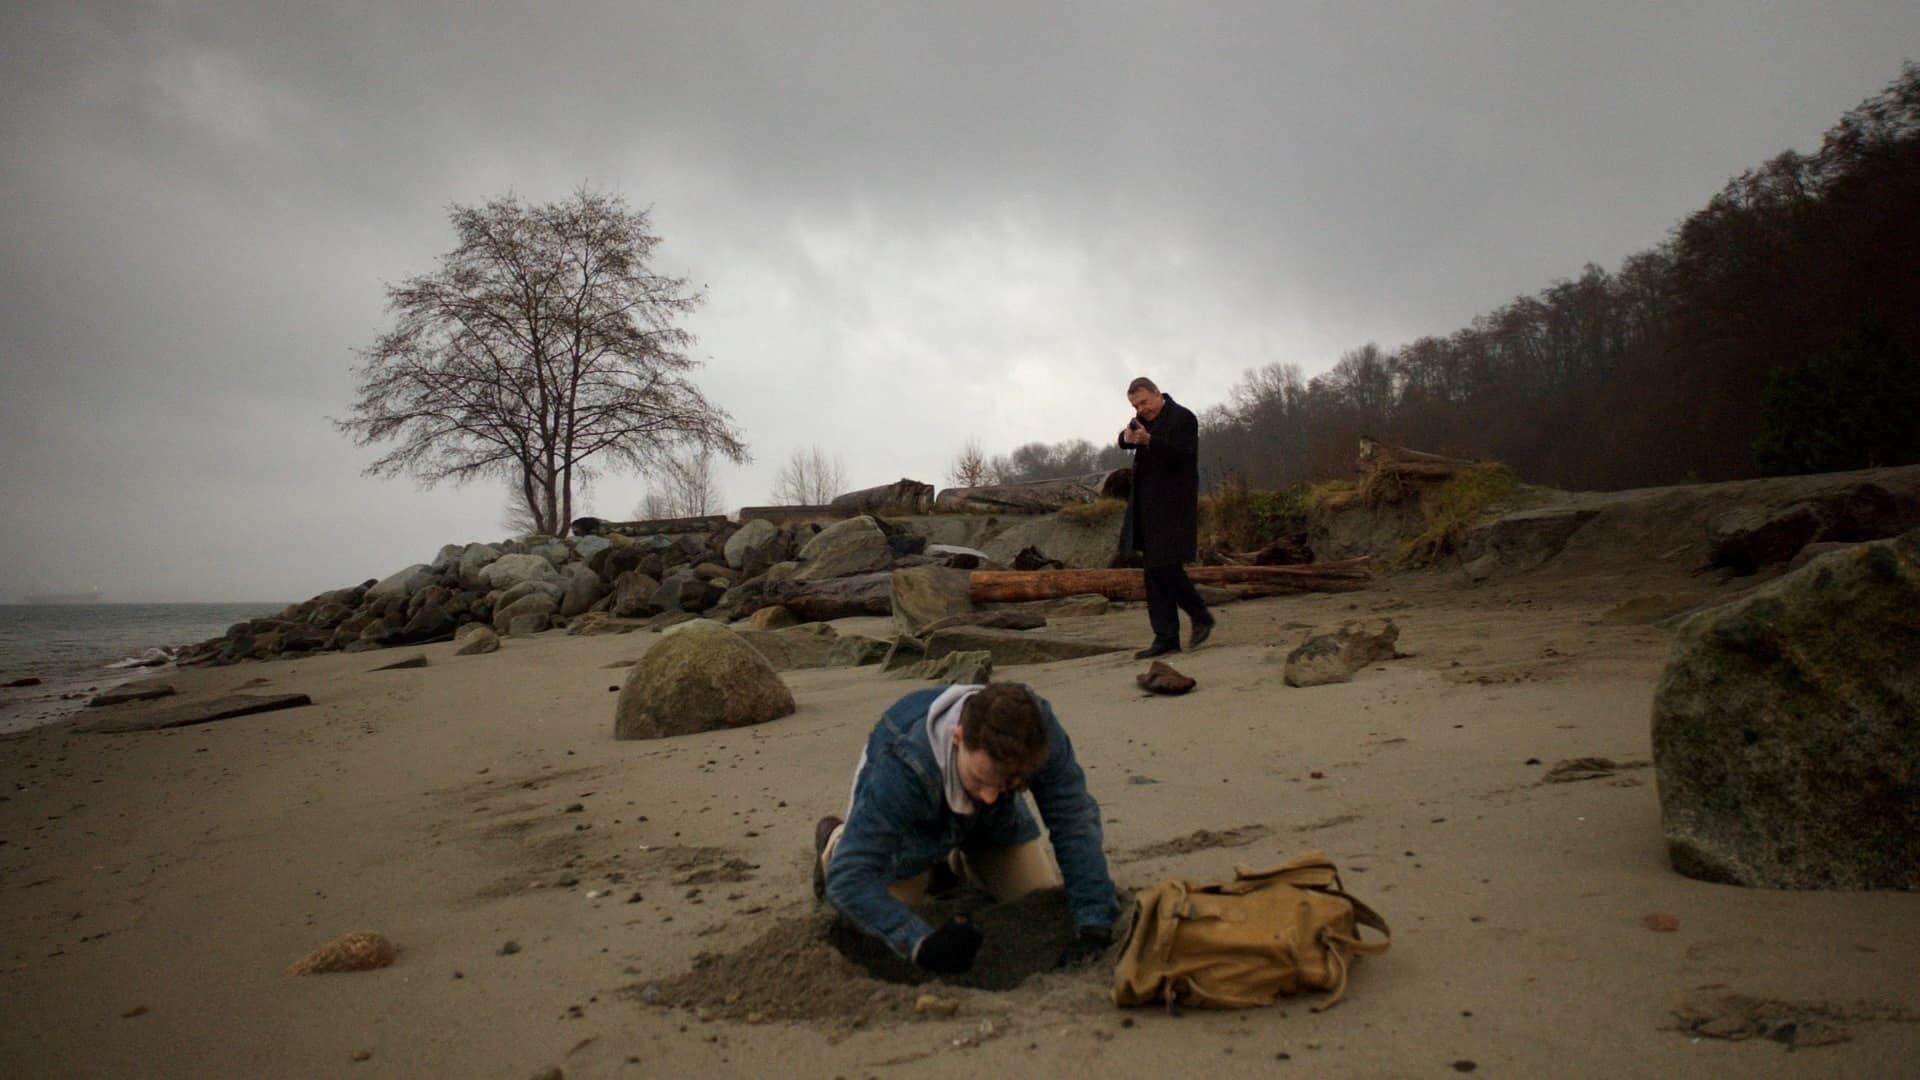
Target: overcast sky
[{"x": 916, "y": 223}]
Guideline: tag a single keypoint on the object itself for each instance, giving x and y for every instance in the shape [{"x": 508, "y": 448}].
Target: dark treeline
[{"x": 1775, "y": 330}]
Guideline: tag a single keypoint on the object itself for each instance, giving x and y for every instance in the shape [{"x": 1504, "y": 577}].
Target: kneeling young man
[{"x": 942, "y": 772}]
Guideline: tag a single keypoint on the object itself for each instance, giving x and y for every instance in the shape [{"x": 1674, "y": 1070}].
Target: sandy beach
[{"x": 562, "y": 899}]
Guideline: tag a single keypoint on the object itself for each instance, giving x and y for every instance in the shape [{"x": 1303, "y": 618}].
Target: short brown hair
[
  {"x": 1142, "y": 383},
  {"x": 1006, "y": 722}
]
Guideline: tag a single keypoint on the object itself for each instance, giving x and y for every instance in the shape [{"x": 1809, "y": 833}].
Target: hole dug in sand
[{"x": 819, "y": 969}]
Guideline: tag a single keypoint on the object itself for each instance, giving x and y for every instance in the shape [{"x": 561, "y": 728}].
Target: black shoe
[
  {"x": 1201, "y": 631},
  {"x": 822, "y": 832},
  {"x": 1158, "y": 648}
]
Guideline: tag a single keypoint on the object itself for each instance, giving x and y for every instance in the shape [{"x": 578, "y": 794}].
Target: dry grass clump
[
  {"x": 1450, "y": 508},
  {"x": 1236, "y": 518},
  {"x": 1097, "y": 512}
]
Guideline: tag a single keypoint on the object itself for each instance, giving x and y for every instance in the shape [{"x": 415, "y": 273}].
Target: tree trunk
[
  {"x": 590, "y": 526},
  {"x": 1036, "y": 496},
  {"x": 1016, "y": 585}
]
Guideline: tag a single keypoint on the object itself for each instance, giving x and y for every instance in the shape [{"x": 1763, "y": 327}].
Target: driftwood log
[
  {"x": 1036, "y": 496},
  {"x": 787, "y": 515},
  {"x": 1347, "y": 575},
  {"x": 903, "y": 496},
  {"x": 590, "y": 526},
  {"x": 834, "y": 598}
]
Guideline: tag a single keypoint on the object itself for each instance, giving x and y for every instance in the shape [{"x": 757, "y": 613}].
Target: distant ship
[{"x": 91, "y": 596}]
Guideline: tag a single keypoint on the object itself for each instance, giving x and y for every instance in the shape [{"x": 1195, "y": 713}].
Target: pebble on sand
[{"x": 349, "y": 952}]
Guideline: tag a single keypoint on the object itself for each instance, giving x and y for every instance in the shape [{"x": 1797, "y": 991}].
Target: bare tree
[
  {"x": 969, "y": 468},
  {"x": 543, "y": 346},
  {"x": 809, "y": 478},
  {"x": 683, "y": 486}
]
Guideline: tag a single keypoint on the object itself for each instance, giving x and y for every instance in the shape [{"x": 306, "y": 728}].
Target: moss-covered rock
[{"x": 1786, "y": 729}]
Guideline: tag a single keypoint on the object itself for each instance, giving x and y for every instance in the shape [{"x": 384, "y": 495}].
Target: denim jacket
[{"x": 899, "y": 825}]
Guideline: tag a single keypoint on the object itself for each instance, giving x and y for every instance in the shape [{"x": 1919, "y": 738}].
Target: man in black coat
[{"x": 1163, "y": 512}]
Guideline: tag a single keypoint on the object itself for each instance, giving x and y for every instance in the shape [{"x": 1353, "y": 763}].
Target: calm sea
[{"x": 76, "y": 649}]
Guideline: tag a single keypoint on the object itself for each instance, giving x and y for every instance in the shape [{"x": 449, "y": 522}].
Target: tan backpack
[{"x": 1244, "y": 942}]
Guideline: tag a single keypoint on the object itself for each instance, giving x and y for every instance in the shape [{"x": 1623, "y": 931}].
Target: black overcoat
[{"x": 1163, "y": 510}]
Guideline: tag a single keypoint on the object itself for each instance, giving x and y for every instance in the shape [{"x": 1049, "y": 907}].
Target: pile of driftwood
[{"x": 1391, "y": 473}]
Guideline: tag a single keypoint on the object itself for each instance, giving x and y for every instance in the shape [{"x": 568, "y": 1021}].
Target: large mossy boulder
[
  {"x": 699, "y": 677},
  {"x": 1786, "y": 729}
]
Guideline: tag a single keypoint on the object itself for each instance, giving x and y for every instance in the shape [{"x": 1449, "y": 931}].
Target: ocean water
[{"x": 77, "y": 650}]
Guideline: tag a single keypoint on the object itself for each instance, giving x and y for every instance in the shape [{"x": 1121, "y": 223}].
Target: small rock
[
  {"x": 417, "y": 660},
  {"x": 25, "y": 680},
  {"x": 551, "y": 1072},
  {"x": 934, "y": 1005},
  {"x": 1464, "y": 1065},
  {"x": 349, "y": 952},
  {"x": 137, "y": 1010},
  {"x": 509, "y": 948},
  {"x": 1660, "y": 921},
  {"x": 362, "y": 1055},
  {"x": 1161, "y": 678}
]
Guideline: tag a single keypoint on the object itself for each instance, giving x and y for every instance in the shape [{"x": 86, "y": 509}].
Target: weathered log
[
  {"x": 834, "y": 598},
  {"x": 986, "y": 586},
  {"x": 588, "y": 526},
  {"x": 1036, "y": 496},
  {"x": 787, "y": 515},
  {"x": 903, "y": 496}
]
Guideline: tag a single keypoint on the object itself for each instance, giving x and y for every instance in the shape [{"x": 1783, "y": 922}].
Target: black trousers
[{"x": 1168, "y": 594}]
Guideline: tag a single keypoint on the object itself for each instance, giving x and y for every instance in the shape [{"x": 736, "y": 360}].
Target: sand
[{"x": 560, "y": 899}]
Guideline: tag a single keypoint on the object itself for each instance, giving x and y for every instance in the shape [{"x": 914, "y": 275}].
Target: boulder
[
  {"x": 1784, "y": 733},
  {"x": 1334, "y": 657},
  {"x": 1056, "y": 537},
  {"x": 402, "y": 584},
  {"x": 474, "y": 639},
  {"x": 712, "y": 571},
  {"x": 959, "y": 558},
  {"x": 473, "y": 559},
  {"x": 594, "y": 623},
  {"x": 782, "y": 571},
  {"x": 507, "y": 571},
  {"x": 536, "y": 603},
  {"x": 925, "y": 594},
  {"x": 684, "y": 592},
  {"x": 996, "y": 620},
  {"x": 1010, "y": 647},
  {"x": 433, "y": 622},
  {"x": 854, "y": 546},
  {"x": 582, "y": 589},
  {"x": 554, "y": 551},
  {"x": 772, "y": 617},
  {"x": 904, "y": 652},
  {"x": 586, "y": 547},
  {"x": 528, "y": 623},
  {"x": 757, "y": 542},
  {"x": 1081, "y": 606},
  {"x": 699, "y": 677},
  {"x": 633, "y": 595},
  {"x": 814, "y": 645},
  {"x": 972, "y": 668},
  {"x": 447, "y": 560}
]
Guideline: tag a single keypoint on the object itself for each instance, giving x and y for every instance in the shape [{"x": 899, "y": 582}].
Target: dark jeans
[{"x": 1168, "y": 594}]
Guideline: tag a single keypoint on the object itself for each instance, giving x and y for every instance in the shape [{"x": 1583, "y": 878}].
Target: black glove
[
  {"x": 1087, "y": 946},
  {"x": 950, "y": 949}
]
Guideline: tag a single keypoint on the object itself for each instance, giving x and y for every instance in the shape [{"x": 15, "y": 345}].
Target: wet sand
[{"x": 563, "y": 899}]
